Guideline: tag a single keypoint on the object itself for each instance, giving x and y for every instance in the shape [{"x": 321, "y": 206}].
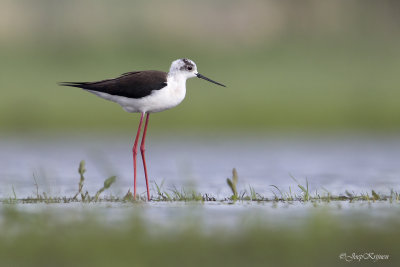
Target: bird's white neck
[{"x": 177, "y": 78}]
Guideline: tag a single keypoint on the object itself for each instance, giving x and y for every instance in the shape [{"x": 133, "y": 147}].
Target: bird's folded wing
[{"x": 136, "y": 84}]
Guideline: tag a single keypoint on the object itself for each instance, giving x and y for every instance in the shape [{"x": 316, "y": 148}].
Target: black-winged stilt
[{"x": 145, "y": 92}]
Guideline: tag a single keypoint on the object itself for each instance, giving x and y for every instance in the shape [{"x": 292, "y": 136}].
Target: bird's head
[{"x": 188, "y": 69}]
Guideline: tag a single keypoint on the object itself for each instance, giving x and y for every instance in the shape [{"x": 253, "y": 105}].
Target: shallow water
[{"x": 336, "y": 163}]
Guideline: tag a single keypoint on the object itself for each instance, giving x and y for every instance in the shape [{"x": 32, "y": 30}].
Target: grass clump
[
  {"x": 81, "y": 171},
  {"x": 232, "y": 184},
  {"x": 176, "y": 194},
  {"x": 186, "y": 195},
  {"x": 107, "y": 183},
  {"x": 84, "y": 197}
]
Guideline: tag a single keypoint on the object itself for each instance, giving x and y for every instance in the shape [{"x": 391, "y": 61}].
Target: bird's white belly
[{"x": 159, "y": 100}]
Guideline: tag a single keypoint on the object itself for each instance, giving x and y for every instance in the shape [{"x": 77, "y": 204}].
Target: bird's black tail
[{"x": 74, "y": 84}]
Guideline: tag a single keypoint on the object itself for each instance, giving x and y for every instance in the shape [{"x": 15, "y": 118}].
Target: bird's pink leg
[
  {"x": 134, "y": 151},
  {"x": 142, "y": 150}
]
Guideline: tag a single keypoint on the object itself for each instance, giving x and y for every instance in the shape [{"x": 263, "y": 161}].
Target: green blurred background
[{"x": 310, "y": 65}]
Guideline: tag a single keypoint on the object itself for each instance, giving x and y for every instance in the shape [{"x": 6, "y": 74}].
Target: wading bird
[{"x": 145, "y": 92}]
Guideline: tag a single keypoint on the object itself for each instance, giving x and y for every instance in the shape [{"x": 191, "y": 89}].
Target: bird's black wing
[{"x": 136, "y": 84}]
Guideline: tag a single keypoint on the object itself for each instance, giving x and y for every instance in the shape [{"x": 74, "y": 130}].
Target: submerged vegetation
[{"x": 303, "y": 194}]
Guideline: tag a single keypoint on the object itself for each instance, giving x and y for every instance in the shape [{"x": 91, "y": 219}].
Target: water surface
[{"x": 336, "y": 163}]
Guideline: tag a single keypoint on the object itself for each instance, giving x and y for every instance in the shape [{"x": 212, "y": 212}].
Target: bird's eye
[{"x": 189, "y": 67}]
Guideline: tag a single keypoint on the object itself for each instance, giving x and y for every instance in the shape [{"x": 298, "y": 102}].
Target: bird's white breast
[{"x": 159, "y": 100}]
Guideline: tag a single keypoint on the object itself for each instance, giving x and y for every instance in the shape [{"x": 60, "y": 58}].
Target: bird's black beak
[{"x": 205, "y": 78}]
